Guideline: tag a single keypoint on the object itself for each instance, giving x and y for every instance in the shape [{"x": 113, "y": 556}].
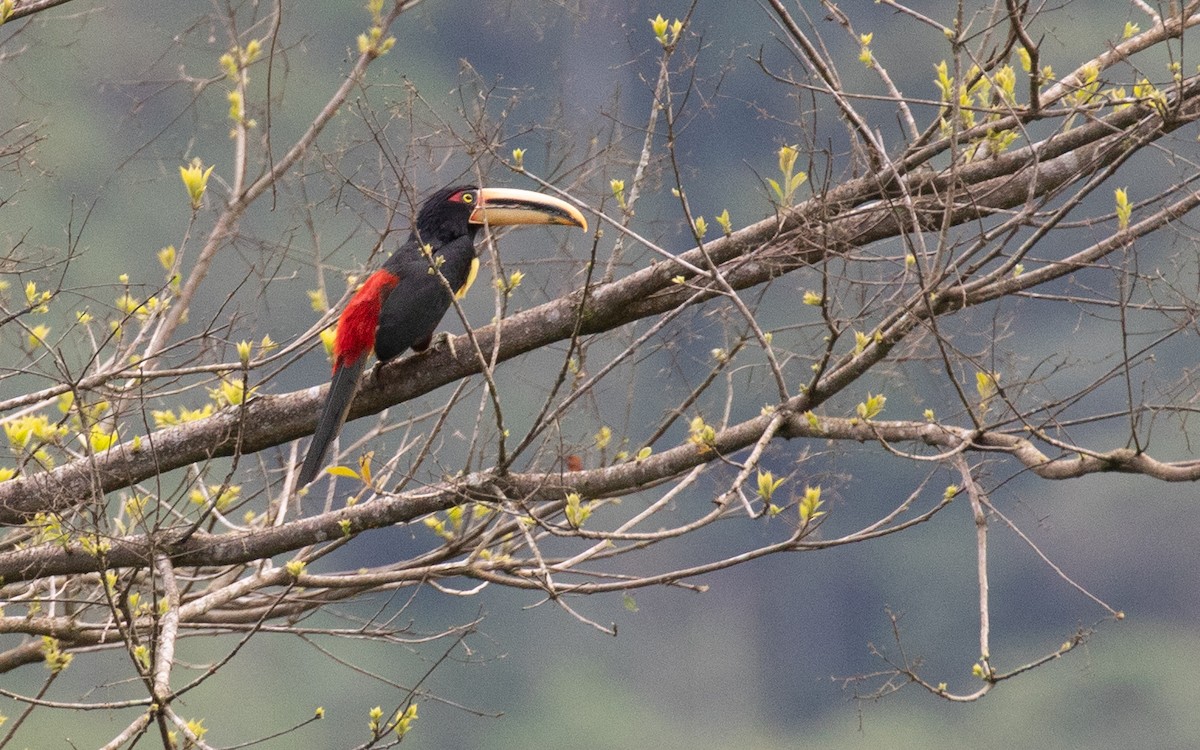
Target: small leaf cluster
[
  {"x": 219, "y": 496},
  {"x": 94, "y": 545},
  {"x": 810, "y": 505},
  {"x": 373, "y": 44},
  {"x": 231, "y": 392},
  {"x": 983, "y": 94},
  {"x": 767, "y": 484},
  {"x": 47, "y": 529},
  {"x": 236, "y": 64},
  {"x": 725, "y": 222},
  {"x": 576, "y": 510},
  {"x": 195, "y": 728},
  {"x": 245, "y": 349},
  {"x": 363, "y": 474},
  {"x": 790, "y": 180},
  {"x": 55, "y": 659},
  {"x": 987, "y": 385},
  {"x": 701, "y": 435},
  {"x": 872, "y": 407},
  {"x": 864, "y": 54},
  {"x": 168, "y": 418},
  {"x": 139, "y": 608},
  {"x": 29, "y": 433},
  {"x": 1088, "y": 89},
  {"x": 195, "y": 180},
  {"x": 666, "y": 32},
  {"x": 33, "y": 435},
  {"x": 133, "y": 510},
  {"x": 449, "y": 527},
  {"x": 38, "y": 303},
  {"x": 130, "y": 306},
  {"x": 1124, "y": 209},
  {"x": 618, "y": 191},
  {"x": 1149, "y": 94},
  {"x": 401, "y": 723},
  {"x": 318, "y": 300},
  {"x": 509, "y": 285}
]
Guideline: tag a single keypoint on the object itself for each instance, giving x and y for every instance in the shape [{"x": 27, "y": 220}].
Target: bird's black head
[
  {"x": 446, "y": 215},
  {"x": 459, "y": 211}
]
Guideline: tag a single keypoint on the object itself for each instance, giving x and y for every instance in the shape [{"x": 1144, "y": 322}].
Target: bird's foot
[{"x": 443, "y": 338}]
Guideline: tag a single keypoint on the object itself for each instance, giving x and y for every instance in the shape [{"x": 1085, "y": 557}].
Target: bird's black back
[{"x": 412, "y": 311}]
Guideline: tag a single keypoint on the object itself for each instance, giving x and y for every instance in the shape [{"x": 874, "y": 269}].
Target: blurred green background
[{"x": 763, "y": 659}]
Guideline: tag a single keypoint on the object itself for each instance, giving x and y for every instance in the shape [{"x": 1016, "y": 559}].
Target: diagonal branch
[{"x": 748, "y": 257}]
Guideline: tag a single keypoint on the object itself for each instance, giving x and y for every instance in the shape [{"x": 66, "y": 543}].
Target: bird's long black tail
[{"x": 337, "y": 405}]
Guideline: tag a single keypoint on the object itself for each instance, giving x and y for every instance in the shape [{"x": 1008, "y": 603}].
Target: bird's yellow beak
[{"x": 505, "y": 206}]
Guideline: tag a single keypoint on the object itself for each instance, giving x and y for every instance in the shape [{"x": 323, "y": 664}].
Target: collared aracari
[{"x": 399, "y": 306}]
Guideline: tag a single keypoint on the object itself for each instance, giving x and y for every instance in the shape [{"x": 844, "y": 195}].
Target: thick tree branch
[
  {"x": 748, "y": 257},
  {"x": 203, "y": 549}
]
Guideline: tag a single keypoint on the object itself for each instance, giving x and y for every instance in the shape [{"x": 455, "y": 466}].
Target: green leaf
[{"x": 778, "y": 190}]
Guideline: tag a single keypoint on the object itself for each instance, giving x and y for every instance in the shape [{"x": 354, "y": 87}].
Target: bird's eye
[{"x": 467, "y": 198}]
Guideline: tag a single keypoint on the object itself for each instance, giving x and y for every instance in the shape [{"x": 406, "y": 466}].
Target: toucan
[{"x": 399, "y": 306}]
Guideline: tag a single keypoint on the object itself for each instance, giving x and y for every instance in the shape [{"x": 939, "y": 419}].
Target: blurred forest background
[{"x": 765, "y": 657}]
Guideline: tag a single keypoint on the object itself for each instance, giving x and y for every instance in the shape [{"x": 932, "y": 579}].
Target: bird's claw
[{"x": 444, "y": 338}]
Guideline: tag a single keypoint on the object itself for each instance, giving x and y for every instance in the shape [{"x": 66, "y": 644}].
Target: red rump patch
[{"x": 356, "y": 328}]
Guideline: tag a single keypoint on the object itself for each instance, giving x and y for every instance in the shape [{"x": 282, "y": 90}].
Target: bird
[{"x": 400, "y": 305}]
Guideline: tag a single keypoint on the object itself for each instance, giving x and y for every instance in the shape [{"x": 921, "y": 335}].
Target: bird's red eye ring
[{"x": 465, "y": 196}]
